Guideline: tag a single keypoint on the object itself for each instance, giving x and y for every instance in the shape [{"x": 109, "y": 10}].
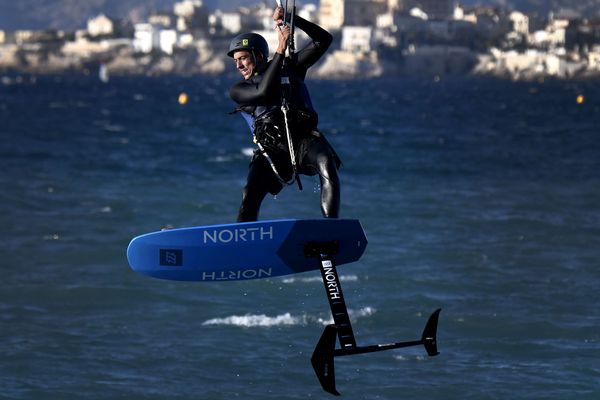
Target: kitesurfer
[{"x": 259, "y": 97}]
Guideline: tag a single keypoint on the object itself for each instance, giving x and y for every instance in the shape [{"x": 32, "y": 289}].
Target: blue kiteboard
[{"x": 242, "y": 251}]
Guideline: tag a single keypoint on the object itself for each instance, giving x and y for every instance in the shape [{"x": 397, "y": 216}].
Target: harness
[
  {"x": 268, "y": 133},
  {"x": 277, "y": 133}
]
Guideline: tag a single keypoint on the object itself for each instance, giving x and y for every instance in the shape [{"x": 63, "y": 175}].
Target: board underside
[{"x": 242, "y": 251}]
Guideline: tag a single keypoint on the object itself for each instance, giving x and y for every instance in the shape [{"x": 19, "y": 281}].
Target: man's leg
[
  {"x": 320, "y": 157},
  {"x": 260, "y": 181}
]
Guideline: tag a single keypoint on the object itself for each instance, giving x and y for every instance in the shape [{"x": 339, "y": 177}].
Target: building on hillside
[
  {"x": 517, "y": 36},
  {"x": 224, "y": 23},
  {"x": 162, "y": 19},
  {"x": 187, "y": 8},
  {"x": 357, "y": 39},
  {"x": 554, "y": 36},
  {"x": 520, "y": 22},
  {"x": 160, "y": 36},
  {"x": 309, "y": 12},
  {"x": 101, "y": 25},
  {"x": 149, "y": 38},
  {"x": 331, "y": 14},
  {"x": 191, "y": 15},
  {"x": 334, "y": 14},
  {"x": 435, "y": 9},
  {"x": 50, "y": 36}
]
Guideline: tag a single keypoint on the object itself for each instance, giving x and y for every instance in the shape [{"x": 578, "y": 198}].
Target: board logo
[
  {"x": 236, "y": 235},
  {"x": 171, "y": 257},
  {"x": 237, "y": 275},
  {"x": 331, "y": 280}
]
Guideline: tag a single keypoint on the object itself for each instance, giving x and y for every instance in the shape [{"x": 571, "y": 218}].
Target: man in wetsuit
[{"x": 259, "y": 99}]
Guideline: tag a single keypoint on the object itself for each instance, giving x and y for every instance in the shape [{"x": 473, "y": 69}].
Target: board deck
[{"x": 242, "y": 251}]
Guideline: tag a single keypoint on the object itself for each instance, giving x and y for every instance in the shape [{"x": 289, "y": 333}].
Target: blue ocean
[{"x": 478, "y": 196}]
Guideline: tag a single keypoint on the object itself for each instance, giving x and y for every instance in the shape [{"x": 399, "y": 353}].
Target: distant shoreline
[{"x": 436, "y": 63}]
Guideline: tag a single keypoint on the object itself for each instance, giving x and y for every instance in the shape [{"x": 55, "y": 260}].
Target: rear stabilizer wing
[
  {"x": 323, "y": 356},
  {"x": 429, "y": 336}
]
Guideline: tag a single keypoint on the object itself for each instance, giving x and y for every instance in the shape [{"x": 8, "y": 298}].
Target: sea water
[{"x": 478, "y": 196}]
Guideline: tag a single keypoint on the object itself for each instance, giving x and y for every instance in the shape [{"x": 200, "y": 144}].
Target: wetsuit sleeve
[
  {"x": 321, "y": 40},
  {"x": 247, "y": 92}
]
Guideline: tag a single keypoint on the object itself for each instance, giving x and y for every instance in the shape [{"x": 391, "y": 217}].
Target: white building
[
  {"x": 23, "y": 36},
  {"x": 164, "y": 20},
  {"x": 187, "y": 8},
  {"x": 357, "y": 39},
  {"x": 539, "y": 38},
  {"x": 594, "y": 59},
  {"x": 460, "y": 15},
  {"x": 553, "y": 36},
  {"x": 100, "y": 25},
  {"x": 167, "y": 40},
  {"x": 189, "y": 14},
  {"x": 309, "y": 12},
  {"x": 182, "y": 24},
  {"x": 557, "y": 30},
  {"x": 264, "y": 14},
  {"x": 229, "y": 22},
  {"x": 418, "y": 13},
  {"x": 435, "y": 9},
  {"x": 83, "y": 48},
  {"x": 533, "y": 63},
  {"x": 148, "y": 38},
  {"x": 145, "y": 38},
  {"x": 385, "y": 21},
  {"x": 331, "y": 14},
  {"x": 520, "y": 22},
  {"x": 185, "y": 40}
]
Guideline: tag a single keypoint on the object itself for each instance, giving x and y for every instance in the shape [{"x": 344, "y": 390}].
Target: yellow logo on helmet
[{"x": 244, "y": 42}]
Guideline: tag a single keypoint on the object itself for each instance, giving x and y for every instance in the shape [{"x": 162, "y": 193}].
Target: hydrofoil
[{"x": 265, "y": 249}]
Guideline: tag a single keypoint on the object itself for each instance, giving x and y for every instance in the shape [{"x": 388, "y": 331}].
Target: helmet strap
[{"x": 258, "y": 65}]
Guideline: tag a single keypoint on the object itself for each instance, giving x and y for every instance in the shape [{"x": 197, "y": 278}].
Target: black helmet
[{"x": 250, "y": 42}]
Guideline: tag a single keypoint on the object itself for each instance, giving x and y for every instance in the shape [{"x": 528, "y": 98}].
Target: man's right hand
[
  {"x": 278, "y": 15},
  {"x": 283, "y": 34}
]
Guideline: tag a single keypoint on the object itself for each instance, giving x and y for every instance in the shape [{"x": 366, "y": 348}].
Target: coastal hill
[
  {"x": 73, "y": 14},
  {"x": 473, "y": 39}
]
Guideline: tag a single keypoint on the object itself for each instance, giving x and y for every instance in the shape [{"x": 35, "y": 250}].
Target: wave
[
  {"x": 287, "y": 319},
  {"x": 113, "y": 128},
  {"x": 103, "y": 210},
  {"x": 343, "y": 278},
  {"x": 229, "y": 157},
  {"x": 410, "y": 358},
  {"x": 248, "y": 151},
  {"x": 255, "y": 320},
  {"x": 354, "y": 315}
]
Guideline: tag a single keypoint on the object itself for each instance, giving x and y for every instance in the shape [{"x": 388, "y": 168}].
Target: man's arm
[
  {"x": 246, "y": 92},
  {"x": 321, "y": 40}
]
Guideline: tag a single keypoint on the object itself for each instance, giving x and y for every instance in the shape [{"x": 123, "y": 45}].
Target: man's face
[{"x": 245, "y": 63}]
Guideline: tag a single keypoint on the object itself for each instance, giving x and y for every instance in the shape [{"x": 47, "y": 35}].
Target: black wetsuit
[{"x": 259, "y": 100}]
